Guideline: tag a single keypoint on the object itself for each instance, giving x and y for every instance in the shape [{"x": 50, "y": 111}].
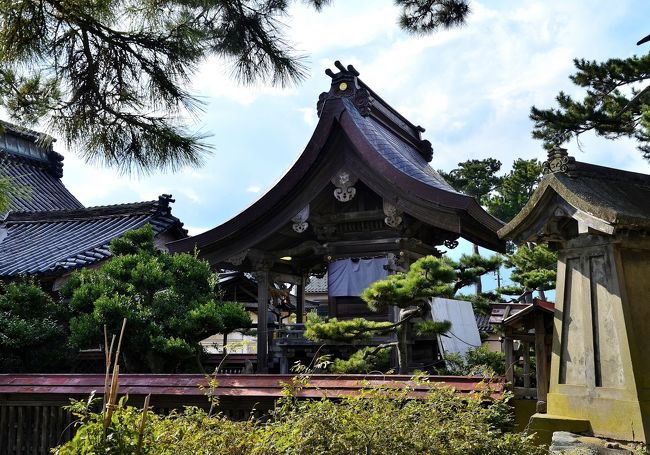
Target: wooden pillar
[
  {"x": 284, "y": 362},
  {"x": 510, "y": 357},
  {"x": 540, "y": 357},
  {"x": 300, "y": 300},
  {"x": 526, "y": 348},
  {"x": 262, "y": 321}
]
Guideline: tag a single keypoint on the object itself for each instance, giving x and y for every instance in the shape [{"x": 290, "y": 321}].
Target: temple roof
[
  {"x": 597, "y": 199},
  {"x": 57, "y": 241},
  {"x": 28, "y": 159},
  {"x": 359, "y": 137}
]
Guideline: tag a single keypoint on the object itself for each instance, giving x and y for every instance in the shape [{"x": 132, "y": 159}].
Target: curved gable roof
[{"x": 386, "y": 152}]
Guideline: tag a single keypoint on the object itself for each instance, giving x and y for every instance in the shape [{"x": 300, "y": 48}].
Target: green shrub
[
  {"x": 171, "y": 303},
  {"x": 32, "y": 330},
  {"x": 363, "y": 361},
  {"x": 478, "y": 360},
  {"x": 385, "y": 421}
]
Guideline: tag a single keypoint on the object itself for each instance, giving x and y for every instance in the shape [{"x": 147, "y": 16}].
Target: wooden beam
[
  {"x": 510, "y": 359},
  {"x": 526, "y": 348}
]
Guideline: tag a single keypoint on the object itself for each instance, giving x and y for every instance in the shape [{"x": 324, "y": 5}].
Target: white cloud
[
  {"x": 309, "y": 115},
  {"x": 253, "y": 189}
]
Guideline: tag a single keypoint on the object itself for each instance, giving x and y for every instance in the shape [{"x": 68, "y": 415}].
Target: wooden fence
[{"x": 33, "y": 420}]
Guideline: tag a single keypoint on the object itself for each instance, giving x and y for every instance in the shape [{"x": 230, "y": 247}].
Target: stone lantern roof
[{"x": 577, "y": 198}]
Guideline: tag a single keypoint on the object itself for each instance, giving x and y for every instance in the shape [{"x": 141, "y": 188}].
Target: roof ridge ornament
[
  {"x": 558, "y": 161},
  {"x": 344, "y": 73}
]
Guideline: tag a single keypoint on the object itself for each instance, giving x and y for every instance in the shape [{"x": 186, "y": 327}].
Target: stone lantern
[{"x": 598, "y": 219}]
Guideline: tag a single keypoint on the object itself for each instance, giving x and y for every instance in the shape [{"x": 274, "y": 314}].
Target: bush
[
  {"x": 32, "y": 330},
  {"x": 386, "y": 421},
  {"x": 171, "y": 303},
  {"x": 478, "y": 360},
  {"x": 363, "y": 361}
]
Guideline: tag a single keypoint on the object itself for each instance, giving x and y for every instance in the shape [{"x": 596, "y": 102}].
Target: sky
[{"x": 471, "y": 88}]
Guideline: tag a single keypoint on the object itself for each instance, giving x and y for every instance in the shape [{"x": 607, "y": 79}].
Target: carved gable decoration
[
  {"x": 300, "y": 224},
  {"x": 344, "y": 182},
  {"x": 558, "y": 161}
]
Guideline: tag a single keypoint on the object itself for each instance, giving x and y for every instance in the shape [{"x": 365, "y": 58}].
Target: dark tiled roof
[
  {"x": 317, "y": 285},
  {"x": 620, "y": 199},
  {"x": 398, "y": 152},
  {"x": 483, "y": 323},
  {"x": 51, "y": 242},
  {"x": 42, "y": 189},
  {"x": 35, "y": 169}
]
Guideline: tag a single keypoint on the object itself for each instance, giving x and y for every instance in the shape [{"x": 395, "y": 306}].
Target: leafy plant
[
  {"x": 170, "y": 301},
  {"x": 378, "y": 420},
  {"x": 32, "y": 330},
  {"x": 478, "y": 360}
]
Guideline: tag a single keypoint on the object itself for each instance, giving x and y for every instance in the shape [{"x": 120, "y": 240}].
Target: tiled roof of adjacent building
[
  {"x": 35, "y": 169},
  {"x": 47, "y": 230},
  {"x": 483, "y": 323},
  {"x": 317, "y": 285},
  {"x": 51, "y": 242}
]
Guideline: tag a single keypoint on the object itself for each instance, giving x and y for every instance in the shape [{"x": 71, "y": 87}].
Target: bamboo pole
[
  {"x": 142, "y": 424},
  {"x": 115, "y": 383}
]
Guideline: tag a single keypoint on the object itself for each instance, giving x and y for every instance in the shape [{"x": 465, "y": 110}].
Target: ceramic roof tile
[
  {"x": 316, "y": 284},
  {"x": 48, "y": 242},
  {"x": 43, "y": 190}
]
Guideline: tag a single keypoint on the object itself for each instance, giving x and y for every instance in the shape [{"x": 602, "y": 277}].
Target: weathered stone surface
[
  {"x": 572, "y": 444},
  {"x": 599, "y": 221}
]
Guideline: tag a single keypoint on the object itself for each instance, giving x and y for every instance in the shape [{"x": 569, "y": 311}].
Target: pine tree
[
  {"x": 476, "y": 178},
  {"x": 514, "y": 189},
  {"x": 534, "y": 267},
  {"x": 410, "y": 293},
  {"x": 111, "y": 76},
  {"x": 613, "y": 106},
  {"x": 33, "y": 330},
  {"x": 171, "y": 302}
]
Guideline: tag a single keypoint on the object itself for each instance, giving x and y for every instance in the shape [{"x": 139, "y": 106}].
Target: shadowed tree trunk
[{"x": 478, "y": 285}]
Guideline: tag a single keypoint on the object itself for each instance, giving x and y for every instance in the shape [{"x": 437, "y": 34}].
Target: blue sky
[{"x": 471, "y": 88}]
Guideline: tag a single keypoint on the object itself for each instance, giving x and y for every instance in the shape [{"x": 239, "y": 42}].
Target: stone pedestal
[{"x": 600, "y": 368}]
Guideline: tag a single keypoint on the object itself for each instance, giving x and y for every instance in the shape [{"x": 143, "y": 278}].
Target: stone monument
[{"x": 598, "y": 219}]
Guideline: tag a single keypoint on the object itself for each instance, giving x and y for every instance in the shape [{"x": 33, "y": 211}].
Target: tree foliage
[
  {"x": 410, "y": 292},
  {"x": 363, "y": 361},
  {"x": 379, "y": 420},
  {"x": 111, "y": 76},
  {"x": 424, "y": 16},
  {"x": 478, "y": 360},
  {"x": 350, "y": 330},
  {"x": 614, "y": 105},
  {"x": 514, "y": 189},
  {"x": 534, "y": 267},
  {"x": 476, "y": 178},
  {"x": 171, "y": 302},
  {"x": 33, "y": 331}
]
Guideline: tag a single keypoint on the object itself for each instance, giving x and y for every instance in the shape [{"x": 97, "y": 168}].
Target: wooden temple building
[
  {"x": 362, "y": 189},
  {"x": 47, "y": 232}
]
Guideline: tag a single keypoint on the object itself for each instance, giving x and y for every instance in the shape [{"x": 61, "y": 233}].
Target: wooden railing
[{"x": 32, "y": 417}]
